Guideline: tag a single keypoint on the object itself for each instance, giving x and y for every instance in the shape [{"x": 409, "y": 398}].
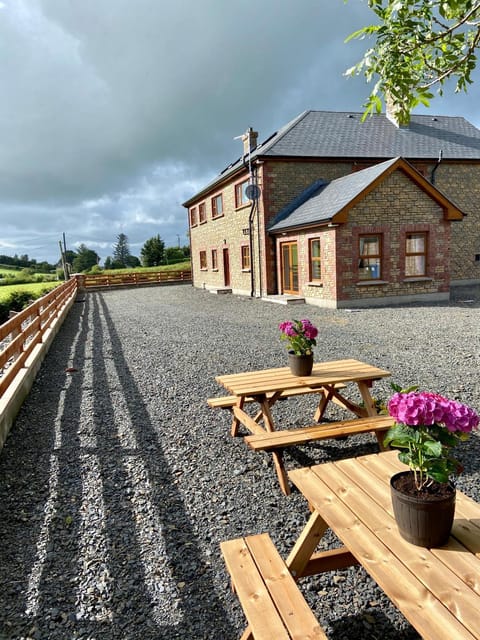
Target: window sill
[
  {"x": 315, "y": 283},
  {"x": 203, "y": 222},
  {"x": 418, "y": 279},
  {"x": 217, "y": 217},
  {"x": 246, "y": 270},
  {"x": 242, "y": 206},
  {"x": 214, "y": 269},
  {"x": 203, "y": 269},
  {"x": 371, "y": 283}
]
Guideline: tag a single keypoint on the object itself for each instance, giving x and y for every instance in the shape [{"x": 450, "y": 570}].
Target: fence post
[{"x": 80, "y": 278}]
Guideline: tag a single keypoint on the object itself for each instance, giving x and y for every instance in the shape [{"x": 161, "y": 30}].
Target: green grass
[
  {"x": 180, "y": 266},
  {"x": 35, "y": 288},
  {"x": 6, "y": 271}
]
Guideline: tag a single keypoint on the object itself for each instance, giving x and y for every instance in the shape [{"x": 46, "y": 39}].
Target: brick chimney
[{"x": 250, "y": 139}]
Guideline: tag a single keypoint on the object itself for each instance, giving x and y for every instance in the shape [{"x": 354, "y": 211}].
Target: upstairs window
[
  {"x": 202, "y": 213},
  {"x": 240, "y": 195},
  {"x": 217, "y": 206},
  {"x": 370, "y": 257},
  {"x": 415, "y": 255},
  {"x": 203, "y": 260},
  {"x": 245, "y": 257},
  {"x": 315, "y": 259},
  {"x": 193, "y": 217}
]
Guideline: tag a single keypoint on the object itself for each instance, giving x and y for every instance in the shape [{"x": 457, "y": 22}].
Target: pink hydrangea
[
  {"x": 309, "y": 330},
  {"x": 423, "y": 408},
  {"x": 299, "y": 334}
]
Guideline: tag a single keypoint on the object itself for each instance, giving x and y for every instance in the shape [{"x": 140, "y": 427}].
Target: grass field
[
  {"x": 4, "y": 271},
  {"x": 180, "y": 266},
  {"x": 34, "y": 288}
]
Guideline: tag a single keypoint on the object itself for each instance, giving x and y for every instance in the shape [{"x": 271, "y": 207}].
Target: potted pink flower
[
  {"x": 427, "y": 427},
  {"x": 300, "y": 336}
]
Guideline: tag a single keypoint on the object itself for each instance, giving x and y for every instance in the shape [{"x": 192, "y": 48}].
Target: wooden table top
[
  {"x": 324, "y": 373},
  {"x": 438, "y": 590}
]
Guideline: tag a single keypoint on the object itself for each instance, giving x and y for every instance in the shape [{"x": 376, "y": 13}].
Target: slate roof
[
  {"x": 332, "y": 134},
  {"x": 321, "y": 201}
]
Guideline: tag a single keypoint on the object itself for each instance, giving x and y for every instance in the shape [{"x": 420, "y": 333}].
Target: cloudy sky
[{"x": 114, "y": 112}]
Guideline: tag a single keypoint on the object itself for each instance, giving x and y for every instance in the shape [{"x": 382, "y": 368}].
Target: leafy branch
[{"x": 418, "y": 44}]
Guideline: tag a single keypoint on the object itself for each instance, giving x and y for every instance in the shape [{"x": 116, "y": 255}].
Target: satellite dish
[{"x": 252, "y": 192}]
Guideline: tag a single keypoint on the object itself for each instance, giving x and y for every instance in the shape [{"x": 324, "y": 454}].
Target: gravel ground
[{"x": 117, "y": 482}]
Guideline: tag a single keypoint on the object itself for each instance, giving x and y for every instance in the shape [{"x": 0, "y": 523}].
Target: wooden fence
[
  {"x": 24, "y": 341},
  {"x": 134, "y": 278}
]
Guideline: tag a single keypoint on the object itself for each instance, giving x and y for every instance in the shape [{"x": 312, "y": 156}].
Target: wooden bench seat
[
  {"x": 269, "y": 441},
  {"x": 270, "y": 597},
  {"x": 227, "y": 402}
]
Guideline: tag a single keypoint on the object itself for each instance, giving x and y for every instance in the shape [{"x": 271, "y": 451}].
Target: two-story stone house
[{"x": 344, "y": 212}]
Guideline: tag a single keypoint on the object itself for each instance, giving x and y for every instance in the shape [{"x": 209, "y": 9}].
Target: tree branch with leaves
[{"x": 418, "y": 44}]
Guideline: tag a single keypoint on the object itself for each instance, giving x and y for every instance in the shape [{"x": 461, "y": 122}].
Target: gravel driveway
[{"x": 118, "y": 482}]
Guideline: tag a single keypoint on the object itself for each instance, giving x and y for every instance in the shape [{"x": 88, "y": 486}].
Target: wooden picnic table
[
  {"x": 437, "y": 590},
  {"x": 328, "y": 379}
]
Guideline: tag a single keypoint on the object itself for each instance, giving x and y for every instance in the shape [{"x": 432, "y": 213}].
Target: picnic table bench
[
  {"x": 436, "y": 589},
  {"x": 272, "y": 440},
  {"x": 328, "y": 380},
  {"x": 273, "y": 604}
]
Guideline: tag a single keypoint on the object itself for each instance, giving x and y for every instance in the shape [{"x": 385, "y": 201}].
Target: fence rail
[
  {"x": 134, "y": 278},
  {"x": 24, "y": 341}
]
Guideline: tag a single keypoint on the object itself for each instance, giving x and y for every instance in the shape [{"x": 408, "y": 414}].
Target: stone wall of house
[
  {"x": 460, "y": 182},
  {"x": 281, "y": 182},
  {"x": 395, "y": 207},
  {"x": 228, "y": 232}
]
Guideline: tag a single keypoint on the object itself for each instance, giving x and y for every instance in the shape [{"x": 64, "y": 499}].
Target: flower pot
[
  {"x": 300, "y": 365},
  {"x": 424, "y": 518}
]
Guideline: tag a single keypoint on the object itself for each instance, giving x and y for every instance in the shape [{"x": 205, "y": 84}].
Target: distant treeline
[{"x": 24, "y": 262}]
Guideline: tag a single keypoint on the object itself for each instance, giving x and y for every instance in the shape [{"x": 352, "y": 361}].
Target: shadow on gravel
[
  {"x": 362, "y": 627},
  {"x": 56, "y": 584}
]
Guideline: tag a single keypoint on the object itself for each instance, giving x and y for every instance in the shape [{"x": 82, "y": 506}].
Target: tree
[
  {"x": 85, "y": 259},
  {"x": 419, "y": 44},
  {"x": 152, "y": 252},
  {"x": 133, "y": 261},
  {"x": 121, "y": 251},
  {"x": 174, "y": 254}
]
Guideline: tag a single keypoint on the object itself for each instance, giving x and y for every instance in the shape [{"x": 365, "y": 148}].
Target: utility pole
[
  {"x": 63, "y": 253},
  {"x": 64, "y": 261}
]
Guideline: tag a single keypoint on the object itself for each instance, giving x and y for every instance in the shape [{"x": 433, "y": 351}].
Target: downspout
[
  {"x": 432, "y": 176},
  {"x": 260, "y": 253},
  {"x": 250, "y": 235},
  {"x": 248, "y": 165}
]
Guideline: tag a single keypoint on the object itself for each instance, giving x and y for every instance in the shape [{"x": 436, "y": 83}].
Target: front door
[
  {"x": 226, "y": 268},
  {"x": 289, "y": 253}
]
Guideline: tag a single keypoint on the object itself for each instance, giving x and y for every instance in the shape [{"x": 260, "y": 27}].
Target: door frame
[
  {"x": 289, "y": 289},
  {"x": 226, "y": 267}
]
